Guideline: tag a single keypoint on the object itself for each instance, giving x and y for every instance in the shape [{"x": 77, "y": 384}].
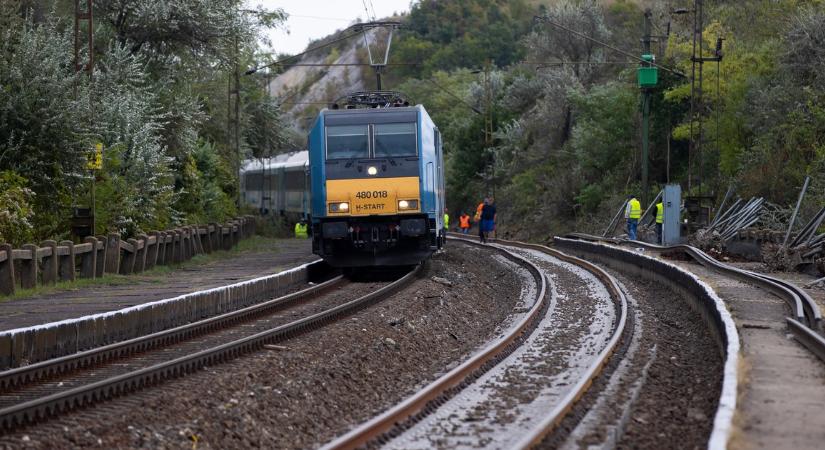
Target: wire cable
[
  {"x": 289, "y": 58},
  {"x": 604, "y": 44}
]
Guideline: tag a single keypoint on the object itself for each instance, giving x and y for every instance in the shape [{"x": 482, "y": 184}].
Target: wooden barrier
[{"x": 51, "y": 262}]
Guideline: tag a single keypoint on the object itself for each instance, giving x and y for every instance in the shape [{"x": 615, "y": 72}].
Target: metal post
[
  {"x": 615, "y": 220},
  {"x": 237, "y": 118},
  {"x": 645, "y": 115},
  {"x": 88, "y": 17},
  {"x": 796, "y": 211},
  {"x": 700, "y": 20}
]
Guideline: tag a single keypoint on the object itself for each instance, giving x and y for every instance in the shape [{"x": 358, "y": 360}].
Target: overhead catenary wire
[
  {"x": 546, "y": 19},
  {"x": 309, "y": 50},
  {"x": 475, "y": 110}
]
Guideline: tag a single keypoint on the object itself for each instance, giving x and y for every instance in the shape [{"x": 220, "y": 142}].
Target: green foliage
[
  {"x": 446, "y": 35},
  {"x": 15, "y": 209},
  {"x": 157, "y": 102}
]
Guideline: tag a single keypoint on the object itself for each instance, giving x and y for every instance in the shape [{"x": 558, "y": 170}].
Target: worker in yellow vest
[
  {"x": 660, "y": 218},
  {"x": 301, "y": 230},
  {"x": 633, "y": 212},
  {"x": 446, "y": 220}
]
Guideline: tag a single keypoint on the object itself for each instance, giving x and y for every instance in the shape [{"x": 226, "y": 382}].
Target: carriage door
[
  {"x": 439, "y": 160},
  {"x": 429, "y": 186}
]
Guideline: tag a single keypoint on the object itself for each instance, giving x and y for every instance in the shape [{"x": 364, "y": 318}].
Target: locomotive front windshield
[
  {"x": 348, "y": 141},
  {"x": 395, "y": 139}
]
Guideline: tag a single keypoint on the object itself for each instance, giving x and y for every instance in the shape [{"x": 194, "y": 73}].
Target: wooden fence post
[
  {"x": 100, "y": 264},
  {"x": 214, "y": 243},
  {"x": 206, "y": 239},
  {"x": 28, "y": 268},
  {"x": 152, "y": 252},
  {"x": 180, "y": 247},
  {"x": 169, "y": 248},
  {"x": 88, "y": 260},
  {"x": 113, "y": 253},
  {"x": 127, "y": 263},
  {"x": 140, "y": 258},
  {"x": 50, "y": 263},
  {"x": 66, "y": 263},
  {"x": 186, "y": 248},
  {"x": 7, "y": 271},
  {"x": 196, "y": 239}
]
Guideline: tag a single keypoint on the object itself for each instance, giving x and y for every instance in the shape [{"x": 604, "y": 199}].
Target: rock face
[{"x": 305, "y": 90}]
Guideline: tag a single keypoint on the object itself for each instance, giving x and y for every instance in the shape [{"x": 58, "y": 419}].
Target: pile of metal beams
[
  {"x": 808, "y": 242},
  {"x": 740, "y": 215}
]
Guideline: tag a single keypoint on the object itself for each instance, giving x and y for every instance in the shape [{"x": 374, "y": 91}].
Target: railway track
[
  {"x": 805, "y": 321},
  {"x": 39, "y": 391},
  {"x": 507, "y": 349}
]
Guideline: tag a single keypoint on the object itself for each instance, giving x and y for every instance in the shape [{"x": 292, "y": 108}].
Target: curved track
[
  {"x": 430, "y": 398},
  {"x": 45, "y": 389},
  {"x": 806, "y": 320}
]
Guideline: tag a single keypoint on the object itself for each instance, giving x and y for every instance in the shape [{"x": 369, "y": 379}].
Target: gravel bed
[
  {"x": 330, "y": 298},
  {"x": 675, "y": 374},
  {"x": 678, "y": 401},
  {"x": 317, "y": 386}
]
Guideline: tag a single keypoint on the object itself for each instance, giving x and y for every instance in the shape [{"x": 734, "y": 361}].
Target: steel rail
[
  {"x": 806, "y": 323},
  {"x": 44, "y": 407},
  {"x": 563, "y": 408},
  {"x": 434, "y": 393},
  {"x": 41, "y": 371}
]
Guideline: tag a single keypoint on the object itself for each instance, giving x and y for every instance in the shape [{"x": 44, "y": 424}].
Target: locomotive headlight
[
  {"x": 407, "y": 205},
  {"x": 339, "y": 207},
  {"x": 372, "y": 170}
]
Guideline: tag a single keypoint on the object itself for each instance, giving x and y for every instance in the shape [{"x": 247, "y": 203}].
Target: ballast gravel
[{"x": 311, "y": 389}]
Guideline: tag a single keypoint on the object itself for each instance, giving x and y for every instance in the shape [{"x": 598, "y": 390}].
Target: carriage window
[
  {"x": 347, "y": 141},
  {"x": 395, "y": 139}
]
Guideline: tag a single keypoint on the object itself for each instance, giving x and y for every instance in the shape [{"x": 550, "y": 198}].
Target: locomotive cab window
[
  {"x": 347, "y": 141},
  {"x": 395, "y": 139}
]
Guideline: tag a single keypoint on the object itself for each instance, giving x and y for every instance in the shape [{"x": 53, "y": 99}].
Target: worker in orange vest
[
  {"x": 464, "y": 222},
  {"x": 478, "y": 211}
]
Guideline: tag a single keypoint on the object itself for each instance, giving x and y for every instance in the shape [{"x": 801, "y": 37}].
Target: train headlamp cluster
[
  {"x": 407, "y": 205},
  {"x": 338, "y": 207},
  {"x": 372, "y": 170}
]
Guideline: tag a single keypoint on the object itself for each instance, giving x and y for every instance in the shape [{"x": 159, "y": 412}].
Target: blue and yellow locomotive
[{"x": 377, "y": 184}]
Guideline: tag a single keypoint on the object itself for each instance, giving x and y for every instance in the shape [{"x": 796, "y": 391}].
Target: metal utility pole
[
  {"x": 646, "y": 112},
  {"x": 696, "y": 90},
  {"x": 81, "y": 15},
  {"x": 233, "y": 114},
  {"x": 87, "y": 15},
  {"x": 488, "y": 125}
]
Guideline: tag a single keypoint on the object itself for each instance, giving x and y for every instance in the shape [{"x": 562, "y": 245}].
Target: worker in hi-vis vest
[
  {"x": 633, "y": 212},
  {"x": 660, "y": 218},
  {"x": 301, "y": 230}
]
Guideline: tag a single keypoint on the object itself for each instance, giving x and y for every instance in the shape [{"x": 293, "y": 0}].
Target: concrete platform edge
[{"x": 22, "y": 346}]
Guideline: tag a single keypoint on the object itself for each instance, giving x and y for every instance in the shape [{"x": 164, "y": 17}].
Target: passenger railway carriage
[
  {"x": 377, "y": 186},
  {"x": 278, "y": 185}
]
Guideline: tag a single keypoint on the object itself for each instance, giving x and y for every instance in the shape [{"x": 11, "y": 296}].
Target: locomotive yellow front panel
[{"x": 373, "y": 196}]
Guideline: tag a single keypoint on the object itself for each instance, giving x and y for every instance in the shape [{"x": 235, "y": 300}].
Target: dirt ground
[{"x": 317, "y": 386}]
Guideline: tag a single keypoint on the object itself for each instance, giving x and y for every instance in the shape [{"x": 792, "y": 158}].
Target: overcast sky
[{"x": 313, "y": 19}]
